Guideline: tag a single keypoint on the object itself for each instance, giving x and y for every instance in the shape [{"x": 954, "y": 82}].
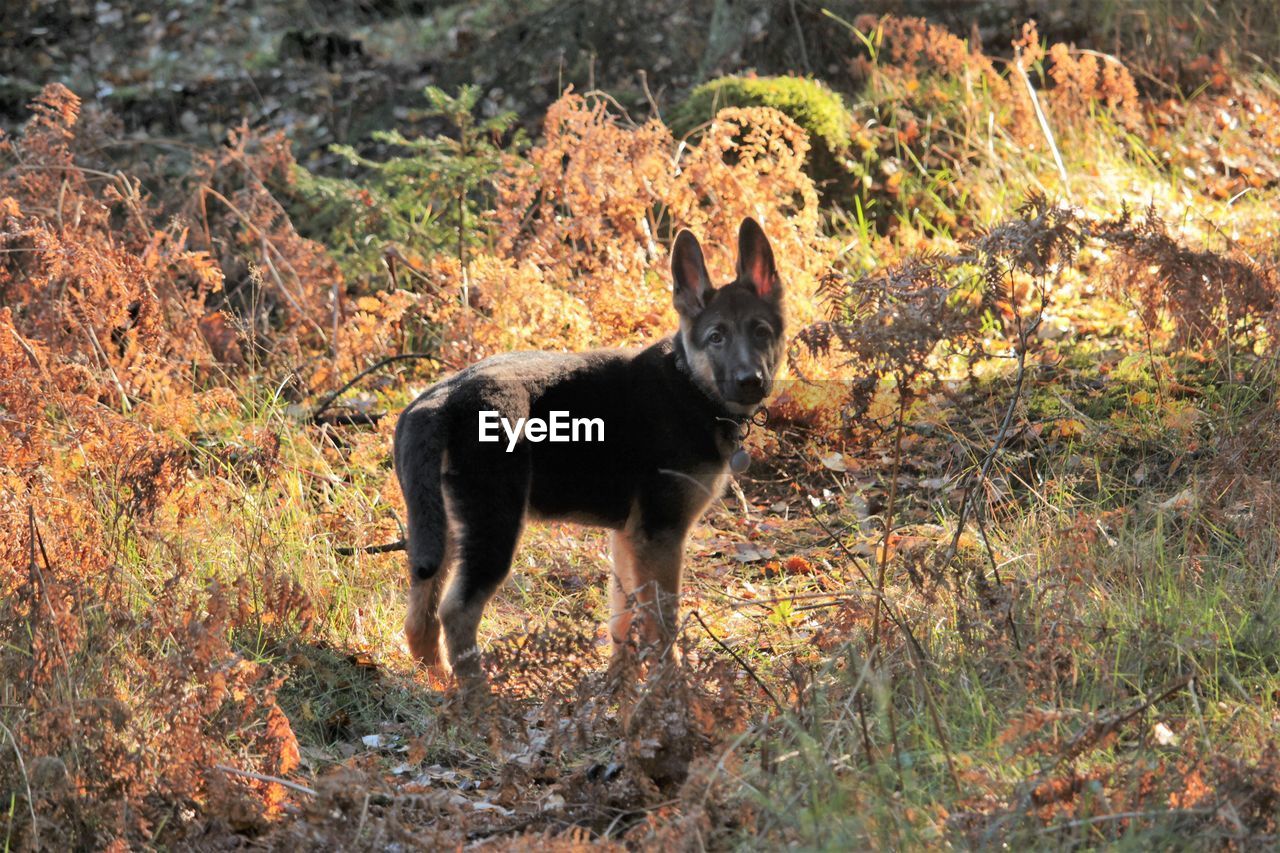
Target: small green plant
[{"x": 430, "y": 198}]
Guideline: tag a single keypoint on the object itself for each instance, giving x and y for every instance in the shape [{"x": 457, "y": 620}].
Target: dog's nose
[{"x": 751, "y": 383}]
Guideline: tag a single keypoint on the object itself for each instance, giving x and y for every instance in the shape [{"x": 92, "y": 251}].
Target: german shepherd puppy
[{"x": 672, "y": 417}]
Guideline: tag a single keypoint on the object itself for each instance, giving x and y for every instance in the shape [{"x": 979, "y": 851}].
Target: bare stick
[
  {"x": 26, "y": 781},
  {"x": 1108, "y": 818},
  {"x": 263, "y": 777},
  {"x": 648, "y": 96},
  {"x": 746, "y": 667},
  {"x": 337, "y": 317},
  {"x": 115, "y": 377},
  {"x": 1044, "y": 127},
  {"x": 398, "y": 545},
  {"x": 804, "y": 51},
  {"x": 31, "y": 354},
  {"x": 883, "y": 567}
]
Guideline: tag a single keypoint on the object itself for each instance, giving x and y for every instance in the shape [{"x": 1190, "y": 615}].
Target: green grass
[{"x": 1109, "y": 616}]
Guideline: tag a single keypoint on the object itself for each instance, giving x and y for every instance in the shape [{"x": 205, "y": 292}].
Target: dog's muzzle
[{"x": 747, "y": 389}]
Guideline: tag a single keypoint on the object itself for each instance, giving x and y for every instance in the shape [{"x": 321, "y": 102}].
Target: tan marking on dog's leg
[
  {"x": 658, "y": 564},
  {"x": 422, "y": 620},
  {"x": 461, "y": 622},
  {"x": 621, "y": 585}
]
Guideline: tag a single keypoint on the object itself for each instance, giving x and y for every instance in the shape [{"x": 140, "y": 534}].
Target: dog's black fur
[{"x": 672, "y": 415}]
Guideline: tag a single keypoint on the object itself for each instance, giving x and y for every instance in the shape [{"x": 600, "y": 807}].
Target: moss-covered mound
[{"x": 809, "y": 103}]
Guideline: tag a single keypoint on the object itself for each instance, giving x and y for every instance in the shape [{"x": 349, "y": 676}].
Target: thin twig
[
  {"x": 1107, "y": 818},
  {"x": 1098, "y": 729},
  {"x": 648, "y": 95},
  {"x": 1090, "y": 733},
  {"x": 263, "y": 777},
  {"x": 1044, "y": 128},
  {"x": 804, "y": 51},
  {"x": 31, "y": 354},
  {"x": 26, "y": 781},
  {"x": 337, "y": 316},
  {"x": 102, "y": 353},
  {"x": 40, "y": 580},
  {"x": 350, "y": 551},
  {"x": 1020, "y": 375},
  {"x": 997, "y": 444},
  {"x": 745, "y": 666},
  {"x": 267, "y": 248},
  {"x": 836, "y": 598},
  {"x": 889, "y": 609},
  {"x": 329, "y": 400},
  {"x": 918, "y": 659},
  {"x": 883, "y": 562}
]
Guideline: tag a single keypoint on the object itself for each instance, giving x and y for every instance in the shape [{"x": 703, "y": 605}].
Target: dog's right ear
[{"x": 689, "y": 274}]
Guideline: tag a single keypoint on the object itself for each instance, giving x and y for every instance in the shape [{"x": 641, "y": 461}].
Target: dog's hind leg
[
  {"x": 422, "y": 622},
  {"x": 490, "y": 507}
]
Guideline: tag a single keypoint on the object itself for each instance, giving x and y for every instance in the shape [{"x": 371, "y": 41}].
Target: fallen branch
[
  {"x": 349, "y": 418},
  {"x": 263, "y": 777},
  {"x": 351, "y": 551}
]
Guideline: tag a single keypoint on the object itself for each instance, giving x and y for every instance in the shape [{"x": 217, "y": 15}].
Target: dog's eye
[
  {"x": 763, "y": 333},
  {"x": 715, "y": 336}
]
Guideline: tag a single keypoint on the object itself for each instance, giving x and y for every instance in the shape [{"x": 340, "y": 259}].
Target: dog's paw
[{"x": 438, "y": 676}]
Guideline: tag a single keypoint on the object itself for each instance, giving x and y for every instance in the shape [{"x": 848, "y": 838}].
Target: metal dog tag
[{"x": 739, "y": 461}]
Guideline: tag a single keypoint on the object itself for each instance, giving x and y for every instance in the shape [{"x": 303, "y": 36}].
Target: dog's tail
[{"x": 419, "y": 453}]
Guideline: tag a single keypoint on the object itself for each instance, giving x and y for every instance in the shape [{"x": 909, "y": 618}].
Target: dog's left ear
[{"x": 755, "y": 261}]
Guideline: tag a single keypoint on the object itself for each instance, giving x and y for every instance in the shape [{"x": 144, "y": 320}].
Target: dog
[{"x": 664, "y": 421}]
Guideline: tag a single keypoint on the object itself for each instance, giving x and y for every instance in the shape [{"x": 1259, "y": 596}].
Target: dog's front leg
[
  {"x": 645, "y": 588},
  {"x": 622, "y": 585}
]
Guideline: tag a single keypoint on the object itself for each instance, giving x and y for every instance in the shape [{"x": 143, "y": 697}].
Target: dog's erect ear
[
  {"x": 689, "y": 273},
  {"x": 755, "y": 260}
]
